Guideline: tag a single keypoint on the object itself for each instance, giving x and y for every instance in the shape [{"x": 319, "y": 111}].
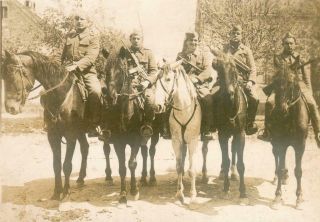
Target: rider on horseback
[
  {"x": 247, "y": 74},
  {"x": 141, "y": 63},
  {"x": 79, "y": 54},
  {"x": 290, "y": 58},
  {"x": 198, "y": 65}
]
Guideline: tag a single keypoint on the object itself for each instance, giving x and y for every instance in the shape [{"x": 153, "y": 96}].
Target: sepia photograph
[{"x": 155, "y": 110}]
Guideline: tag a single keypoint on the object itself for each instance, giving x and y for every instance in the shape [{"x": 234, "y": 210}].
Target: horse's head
[
  {"x": 286, "y": 88},
  {"x": 228, "y": 74},
  {"x": 165, "y": 85},
  {"x": 18, "y": 81}
]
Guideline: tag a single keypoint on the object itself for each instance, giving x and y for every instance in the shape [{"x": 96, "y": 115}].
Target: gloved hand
[
  {"x": 249, "y": 85},
  {"x": 194, "y": 79},
  {"x": 145, "y": 84},
  {"x": 71, "y": 68}
]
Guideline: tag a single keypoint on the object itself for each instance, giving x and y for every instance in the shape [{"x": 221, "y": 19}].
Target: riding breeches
[
  {"x": 94, "y": 97},
  {"x": 149, "y": 106},
  {"x": 253, "y": 103}
]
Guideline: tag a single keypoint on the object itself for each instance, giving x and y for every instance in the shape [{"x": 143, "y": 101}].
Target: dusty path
[{"x": 26, "y": 176}]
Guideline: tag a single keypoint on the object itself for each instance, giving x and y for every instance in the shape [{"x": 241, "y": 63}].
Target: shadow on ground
[{"x": 98, "y": 193}]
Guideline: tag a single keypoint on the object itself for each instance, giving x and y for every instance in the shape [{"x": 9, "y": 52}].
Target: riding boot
[
  {"x": 251, "y": 116},
  {"x": 207, "y": 117},
  {"x": 265, "y": 136},
  {"x": 315, "y": 120},
  {"x": 166, "y": 134}
]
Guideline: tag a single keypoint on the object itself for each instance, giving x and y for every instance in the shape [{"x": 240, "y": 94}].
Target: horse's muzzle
[{"x": 13, "y": 108}]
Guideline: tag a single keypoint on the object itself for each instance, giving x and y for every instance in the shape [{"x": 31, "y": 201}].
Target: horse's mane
[{"x": 49, "y": 68}]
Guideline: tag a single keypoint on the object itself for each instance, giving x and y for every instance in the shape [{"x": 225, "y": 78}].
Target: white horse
[{"x": 175, "y": 90}]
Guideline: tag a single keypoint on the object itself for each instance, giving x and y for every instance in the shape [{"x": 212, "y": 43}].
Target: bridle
[{"x": 169, "y": 103}]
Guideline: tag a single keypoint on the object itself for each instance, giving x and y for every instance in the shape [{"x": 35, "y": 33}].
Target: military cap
[
  {"x": 288, "y": 35},
  {"x": 236, "y": 28},
  {"x": 136, "y": 32},
  {"x": 191, "y": 35},
  {"x": 80, "y": 13}
]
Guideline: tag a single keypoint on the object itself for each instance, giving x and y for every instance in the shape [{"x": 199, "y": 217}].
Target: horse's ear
[{"x": 8, "y": 56}]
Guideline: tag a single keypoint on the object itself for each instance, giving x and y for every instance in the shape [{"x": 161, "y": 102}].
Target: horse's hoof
[
  {"x": 56, "y": 196},
  {"x": 234, "y": 177},
  {"x": 152, "y": 182},
  {"x": 109, "y": 181},
  {"x": 123, "y": 200},
  {"x": 204, "y": 179},
  {"x": 136, "y": 196},
  {"x": 299, "y": 204},
  {"x": 276, "y": 203},
  {"x": 221, "y": 176},
  {"x": 226, "y": 195},
  {"x": 80, "y": 182},
  {"x": 275, "y": 181},
  {"x": 193, "y": 205},
  {"x": 180, "y": 197},
  {"x": 244, "y": 201},
  {"x": 144, "y": 182},
  {"x": 284, "y": 181}
]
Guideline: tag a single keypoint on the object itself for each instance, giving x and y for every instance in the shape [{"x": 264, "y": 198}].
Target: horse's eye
[{"x": 168, "y": 79}]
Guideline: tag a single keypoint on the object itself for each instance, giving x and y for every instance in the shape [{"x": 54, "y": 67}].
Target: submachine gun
[{"x": 138, "y": 69}]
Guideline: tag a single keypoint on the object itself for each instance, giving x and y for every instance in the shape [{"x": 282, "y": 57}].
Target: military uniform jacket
[
  {"x": 81, "y": 49},
  {"x": 146, "y": 60},
  {"x": 203, "y": 60},
  {"x": 283, "y": 61},
  {"x": 244, "y": 54}
]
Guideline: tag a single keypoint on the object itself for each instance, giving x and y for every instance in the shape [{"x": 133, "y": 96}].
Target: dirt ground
[{"x": 26, "y": 177}]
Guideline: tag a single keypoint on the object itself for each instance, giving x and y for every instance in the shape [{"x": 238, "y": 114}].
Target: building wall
[{"x": 21, "y": 29}]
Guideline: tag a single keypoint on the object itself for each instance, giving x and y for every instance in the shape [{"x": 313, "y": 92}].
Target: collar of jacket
[
  {"x": 231, "y": 47},
  {"x": 195, "y": 53},
  {"x": 285, "y": 56},
  {"x": 134, "y": 50},
  {"x": 84, "y": 33}
]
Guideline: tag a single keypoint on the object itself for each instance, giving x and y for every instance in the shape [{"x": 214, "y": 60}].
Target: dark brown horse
[
  {"x": 232, "y": 110},
  {"x": 289, "y": 127},
  {"x": 127, "y": 118},
  {"x": 64, "y": 108}
]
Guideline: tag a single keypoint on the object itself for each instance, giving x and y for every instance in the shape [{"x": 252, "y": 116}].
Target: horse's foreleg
[
  {"x": 204, "y": 164},
  {"x": 234, "y": 175},
  {"x": 67, "y": 164},
  {"x": 275, "y": 152},
  {"x": 178, "y": 150},
  {"x": 55, "y": 144},
  {"x": 223, "y": 140},
  {"x": 298, "y": 173},
  {"x": 106, "y": 151},
  {"x": 192, "y": 170},
  {"x": 238, "y": 143},
  {"x": 152, "y": 152},
  {"x": 184, "y": 154},
  {"x": 144, "y": 153},
  {"x": 132, "y": 166},
  {"x": 281, "y": 171},
  {"x": 84, "y": 148},
  {"x": 120, "y": 151}
]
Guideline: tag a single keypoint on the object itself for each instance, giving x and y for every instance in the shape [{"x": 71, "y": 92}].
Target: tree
[{"x": 264, "y": 24}]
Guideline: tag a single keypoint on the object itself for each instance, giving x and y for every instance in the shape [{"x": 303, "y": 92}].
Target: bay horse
[
  {"x": 288, "y": 127},
  {"x": 232, "y": 111},
  {"x": 64, "y": 108},
  {"x": 174, "y": 88}
]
